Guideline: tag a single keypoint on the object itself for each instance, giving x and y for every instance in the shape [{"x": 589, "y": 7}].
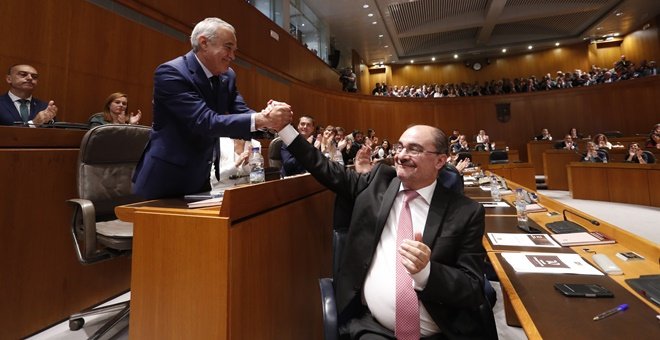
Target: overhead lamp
[
  {"x": 370, "y": 15},
  {"x": 530, "y": 47},
  {"x": 504, "y": 50},
  {"x": 618, "y": 14},
  {"x": 433, "y": 59},
  {"x": 557, "y": 43},
  {"x": 375, "y": 22},
  {"x": 412, "y": 61},
  {"x": 380, "y": 35},
  {"x": 386, "y": 46},
  {"x": 365, "y": 6}
]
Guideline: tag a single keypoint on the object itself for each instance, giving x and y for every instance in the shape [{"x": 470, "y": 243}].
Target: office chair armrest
[
  {"x": 84, "y": 211},
  {"x": 330, "y": 325}
]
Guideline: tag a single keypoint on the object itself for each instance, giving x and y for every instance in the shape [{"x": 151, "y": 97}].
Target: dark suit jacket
[
  {"x": 454, "y": 228},
  {"x": 9, "y": 114},
  {"x": 189, "y": 116}
]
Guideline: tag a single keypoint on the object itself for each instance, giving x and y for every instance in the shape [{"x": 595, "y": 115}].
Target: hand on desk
[{"x": 415, "y": 254}]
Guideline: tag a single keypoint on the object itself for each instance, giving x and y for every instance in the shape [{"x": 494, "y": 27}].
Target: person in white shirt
[{"x": 234, "y": 168}]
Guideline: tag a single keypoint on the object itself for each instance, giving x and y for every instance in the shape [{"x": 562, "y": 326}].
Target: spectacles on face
[{"x": 413, "y": 150}]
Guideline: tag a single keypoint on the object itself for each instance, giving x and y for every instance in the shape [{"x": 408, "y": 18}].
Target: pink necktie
[{"x": 407, "y": 304}]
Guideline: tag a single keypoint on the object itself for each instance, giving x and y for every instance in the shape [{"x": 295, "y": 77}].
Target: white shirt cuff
[
  {"x": 288, "y": 134},
  {"x": 253, "y": 125},
  {"x": 422, "y": 277}
]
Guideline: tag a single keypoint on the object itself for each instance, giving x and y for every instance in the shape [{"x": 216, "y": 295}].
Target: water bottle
[
  {"x": 521, "y": 205},
  {"x": 495, "y": 189},
  {"x": 257, "y": 174}
]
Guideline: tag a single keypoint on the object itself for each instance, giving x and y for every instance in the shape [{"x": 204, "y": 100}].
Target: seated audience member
[
  {"x": 602, "y": 142},
  {"x": 114, "y": 112},
  {"x": 593, "y": 155},
  {"x": 328, "y": 145},
  {"x": 234, "y": 165},
  {"x": 545, "y": 135},
  {"x": 483, "y": 139},
  {"x": 382, "y": 151},
  {"x": 461, "y": 145},
  {"x": 575, "y": 134},
  {"x": 439, "y": 281},
  {"x": 454, "y": 137},
  {"x": 18, "y": 106},
  {"x": 636, "y": 154},
  {"x": 370, "y": 139},
  {"x": 353, "y": 144},
  {"x": 567, "y": 143},
  {"x": 290, "y": 165},
  {"x": 654, "y": 138}
]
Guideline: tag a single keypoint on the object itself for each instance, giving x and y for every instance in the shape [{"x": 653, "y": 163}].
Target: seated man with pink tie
[{"x": 412, "y": 263}]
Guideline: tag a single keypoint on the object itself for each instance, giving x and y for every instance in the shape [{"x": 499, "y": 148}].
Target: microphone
[
  {"x": 566, "y": 226},
  {"x": 594, "y": 222}
]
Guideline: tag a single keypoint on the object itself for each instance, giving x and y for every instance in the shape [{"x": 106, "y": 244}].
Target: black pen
[{"x": 610, "y": 312}]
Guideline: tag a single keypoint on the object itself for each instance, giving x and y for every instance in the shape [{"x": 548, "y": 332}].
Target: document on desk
[
  {"x": 206, "y": 203},
  {"x": 500, "y": 204},
  {"x": 549, "y": 263},
  {"x": 522, "y": 240}
]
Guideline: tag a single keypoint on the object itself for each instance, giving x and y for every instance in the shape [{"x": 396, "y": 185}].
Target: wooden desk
[
  {"x": 248, "y": 270},
  {"x": 41, "y": 280},
  {"x": 554, "y": 167},
  {"x": 522, "y": 173},
  {"x": 482, "y": 157},
  {"x": 531, "y": 302},
  {"x": 535, "y": 153},
  {"x": 616, "y": 182}
]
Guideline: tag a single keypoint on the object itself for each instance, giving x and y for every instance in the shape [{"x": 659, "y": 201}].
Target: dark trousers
[{"x": 366, "y": 327}]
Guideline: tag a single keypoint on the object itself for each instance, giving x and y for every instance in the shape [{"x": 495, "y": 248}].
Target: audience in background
[
  {"x": 328, "y": 145},
  {"x": 622, "y": 70},
  {"x": 232, "y": 166},
  {"x": 594, "y": 155},
  {"x": 18, "y": 105},
  {"x": 654, "y": 138},
  {"x": 602, "y": 142},
  {"x": 382, "y": 151},
  {"x": 567, "y": 143},
  {"x": 575, "y": 134},
  {"x": 483, "y": 141},
  {"x": 545, "y": 135},
  {"x": 636, "y": 154},
  {"x": 114, "y": 112},
  {"x": 453, "y": 138},
  {"x": 306, "y": 129},
  {"x": 461, "y": 145}
]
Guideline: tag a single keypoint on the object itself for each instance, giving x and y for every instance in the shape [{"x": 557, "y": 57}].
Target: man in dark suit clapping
[{"x": 17, "y": 106}]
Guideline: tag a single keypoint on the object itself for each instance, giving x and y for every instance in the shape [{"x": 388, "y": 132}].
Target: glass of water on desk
[
  {"x": 521, "y": 206},
  {"x": 495, "y": 189}
]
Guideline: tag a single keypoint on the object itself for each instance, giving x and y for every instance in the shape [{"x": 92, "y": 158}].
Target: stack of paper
[
  {"x": 522, "y": 240},
  {"x": 550, "y": 263}
]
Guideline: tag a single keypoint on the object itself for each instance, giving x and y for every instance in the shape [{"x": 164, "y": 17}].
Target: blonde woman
[{"x": 114, "y": 112}]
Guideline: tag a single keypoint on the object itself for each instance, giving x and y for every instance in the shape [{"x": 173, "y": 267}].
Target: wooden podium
[{"x": 248, "y": 270}]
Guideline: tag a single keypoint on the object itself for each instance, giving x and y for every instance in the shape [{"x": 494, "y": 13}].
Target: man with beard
[{"x": 403, "y": 222}]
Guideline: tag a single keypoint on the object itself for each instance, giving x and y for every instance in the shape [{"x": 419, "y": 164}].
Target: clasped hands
[{"x": 275, "y": 116}]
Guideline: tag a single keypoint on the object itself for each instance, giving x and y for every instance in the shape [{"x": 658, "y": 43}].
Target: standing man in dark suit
[
  {"x": 17, "y": 106},
  {"x": 195, "y": 102},
  {"x": 441, "y": 256}
]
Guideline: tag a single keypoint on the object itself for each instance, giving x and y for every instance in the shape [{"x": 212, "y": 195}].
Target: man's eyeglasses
[{"x": 413, "y": 150}]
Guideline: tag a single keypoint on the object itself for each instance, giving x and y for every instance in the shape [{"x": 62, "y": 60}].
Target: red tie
[{"x": 407, "y": 304}]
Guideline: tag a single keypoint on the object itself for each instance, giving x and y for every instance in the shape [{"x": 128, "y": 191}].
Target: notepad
[{"x": 583, "y": 238}]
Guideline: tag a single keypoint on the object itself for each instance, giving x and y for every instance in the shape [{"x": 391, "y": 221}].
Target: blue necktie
[{"x": 23, "y": 109}]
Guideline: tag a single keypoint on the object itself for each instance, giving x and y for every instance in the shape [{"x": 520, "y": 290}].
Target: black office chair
[
  {"x": 108, "y": 156},
  {"x": 650, "y": 157},
  {"x": 274, "y": 153},
  {"x": 498, "y": 157}
]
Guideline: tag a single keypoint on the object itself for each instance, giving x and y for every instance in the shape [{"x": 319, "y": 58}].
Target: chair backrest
[
  {"x": 108, "y": 156},
  {"x": 613, "y": 134},
  {"x": 650, "y": 157},
  {"x": 274, "y": 153},
  {"x": 498, "y": 157}
]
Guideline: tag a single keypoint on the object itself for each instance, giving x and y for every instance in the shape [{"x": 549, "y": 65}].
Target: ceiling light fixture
[
  {"x": 386, "y": 46},
  {"x": 530, "y": 47},
  {"x": 380, "y": 35},
  {"x": 412, "y": 61},
  {"x": 370, "y": 15},
  {"x": 455, "y": 56},
  {"x": 557, "y": 43},
  {"x": 375, "y": 22},
  {"x": 433, "y": 59},
  {"x": 504, "y": 50},
  {"x": 365, "y": 6},
  {"x": 618, "y": 14}
]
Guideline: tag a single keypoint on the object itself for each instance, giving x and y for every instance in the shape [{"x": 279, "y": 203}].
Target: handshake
[{"x": 275, "y": 116}]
